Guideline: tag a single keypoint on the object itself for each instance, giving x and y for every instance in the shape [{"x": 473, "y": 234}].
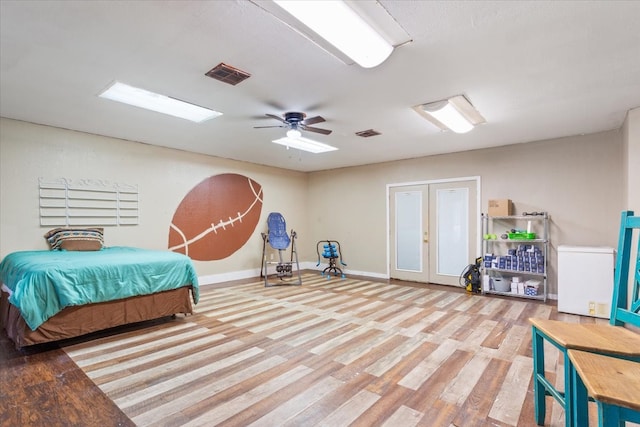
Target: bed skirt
[{"x": 80, "y": 320}]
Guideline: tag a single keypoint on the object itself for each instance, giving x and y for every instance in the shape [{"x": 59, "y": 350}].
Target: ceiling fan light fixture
[
  {"x": 342, "y": 27},
  {"x": 159, "y": 103},
  {"x": 294, "y": 133},
  {"x": 304, "y": 144},
  {"x": 456, "y": 114}
]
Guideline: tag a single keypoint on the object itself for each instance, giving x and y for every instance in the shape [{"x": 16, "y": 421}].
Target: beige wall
[
  {"x": 578, "y": 180},
  {"x": 631, "y": 173},
  {"x": 631, "y": 160},
  {"x": 164, "y": 177}
]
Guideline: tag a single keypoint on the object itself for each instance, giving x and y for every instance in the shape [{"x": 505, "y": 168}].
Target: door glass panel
[
  {"x": 409, "y": 231},
  {"x": 452, "y": 230}
]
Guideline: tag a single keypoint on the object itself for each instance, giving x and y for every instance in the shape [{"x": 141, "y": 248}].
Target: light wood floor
[{"x": 330, "y": 353}]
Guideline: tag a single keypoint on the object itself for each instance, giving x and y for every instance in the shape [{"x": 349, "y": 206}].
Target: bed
[{"x": 52, "y": 295}]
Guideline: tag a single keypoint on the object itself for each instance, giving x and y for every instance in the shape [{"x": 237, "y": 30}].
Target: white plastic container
[
  {"x": 486, "y": 282},
  {"x": 501, "y": 285}
]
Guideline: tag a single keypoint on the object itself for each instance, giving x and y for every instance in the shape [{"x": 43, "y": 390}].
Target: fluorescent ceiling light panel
[
  {"x": 456, "y": 114},
  {"x": 340, "y": 25},
  {"x": 304, "y": 144},
  {"x": 446, "y": 114},
  {"x": 155, "y": 102}
]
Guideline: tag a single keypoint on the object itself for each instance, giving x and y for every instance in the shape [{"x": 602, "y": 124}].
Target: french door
[{"x": 433, "y": 230}]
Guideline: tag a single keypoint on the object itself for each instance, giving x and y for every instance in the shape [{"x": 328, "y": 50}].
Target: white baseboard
[{"x": 248, "y": 274}]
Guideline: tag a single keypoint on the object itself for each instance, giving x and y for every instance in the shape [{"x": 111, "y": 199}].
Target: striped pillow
[{"x": 75, "y": 239}]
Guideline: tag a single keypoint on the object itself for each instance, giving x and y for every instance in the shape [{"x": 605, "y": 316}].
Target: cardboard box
[{"x": 500, "y": 207}]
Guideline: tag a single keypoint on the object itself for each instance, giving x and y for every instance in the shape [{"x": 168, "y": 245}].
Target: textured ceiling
[{"x": 535, "y": 70}]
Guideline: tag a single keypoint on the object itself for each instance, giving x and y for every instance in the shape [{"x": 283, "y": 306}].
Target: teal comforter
[{"x": 44, "y": 282}]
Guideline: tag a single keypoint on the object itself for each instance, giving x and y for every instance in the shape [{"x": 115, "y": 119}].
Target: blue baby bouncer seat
[{"x": 279, "y": 241}]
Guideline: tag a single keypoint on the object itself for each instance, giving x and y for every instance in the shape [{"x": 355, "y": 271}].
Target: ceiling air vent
[
  {"x": 367, "y": 133},
  {"x": 227, "y": 73}
]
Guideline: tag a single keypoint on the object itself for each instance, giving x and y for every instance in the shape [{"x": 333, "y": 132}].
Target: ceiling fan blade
[
  {"x": 316, "y": 130},
  {"x": 313, "y": 120},
  {"x": 273, "y": 116},
  {"x": 264, "y": 127},
  {"x": 276, "y": 105},
  {"x": 259, "y": 117}
]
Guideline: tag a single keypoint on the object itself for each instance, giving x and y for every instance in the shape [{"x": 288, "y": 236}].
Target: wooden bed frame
[{"x": 76, "y": 321}]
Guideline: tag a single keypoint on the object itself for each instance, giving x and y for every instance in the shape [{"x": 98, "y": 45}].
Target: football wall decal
[{"x": 216, "y": 217}]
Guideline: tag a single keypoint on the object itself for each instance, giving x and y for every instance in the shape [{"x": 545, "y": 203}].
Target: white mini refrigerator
[{"x": 585, "y": 280}]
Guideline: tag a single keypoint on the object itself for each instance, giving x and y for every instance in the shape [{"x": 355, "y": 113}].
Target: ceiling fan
[{"x": 297, "y": 121}]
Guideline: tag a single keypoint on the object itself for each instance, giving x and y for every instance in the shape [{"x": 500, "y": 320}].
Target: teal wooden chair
[{"x": 615, "y": 340}]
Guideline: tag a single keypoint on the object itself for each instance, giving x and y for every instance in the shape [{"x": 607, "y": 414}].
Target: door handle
[{"x": 426, "y": 237}]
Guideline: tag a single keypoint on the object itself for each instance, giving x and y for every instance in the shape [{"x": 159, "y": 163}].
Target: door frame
[{"x": 478, "y": 182}]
